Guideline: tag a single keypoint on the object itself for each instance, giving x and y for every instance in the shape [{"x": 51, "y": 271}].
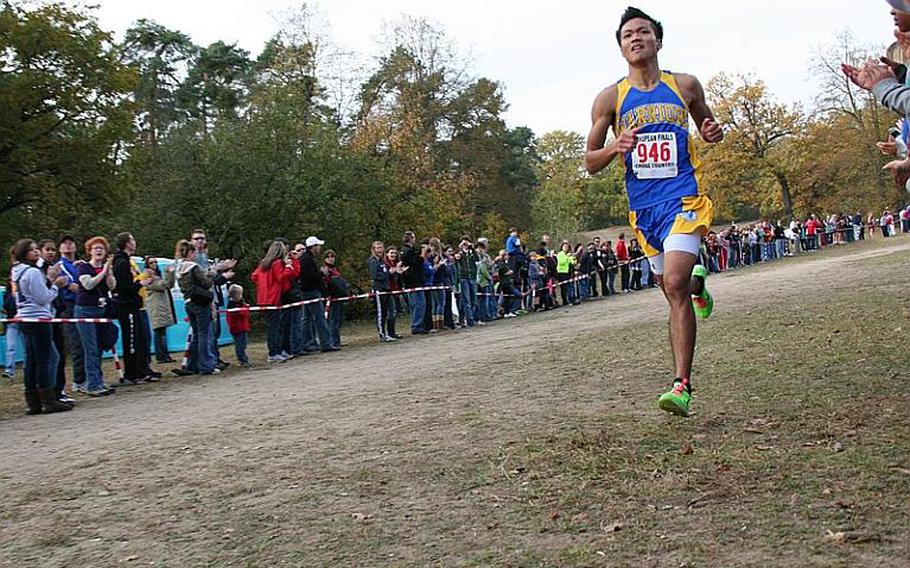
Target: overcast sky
[{"x": 553, "y": 56}]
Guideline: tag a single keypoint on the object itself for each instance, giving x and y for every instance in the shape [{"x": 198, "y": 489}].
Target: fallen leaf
[
  {"x": 361, "y": 517},
  {"x": 843, "y": 537},
  {"x": 686, "y": 449},
  {"x": 611, "y": 528}
]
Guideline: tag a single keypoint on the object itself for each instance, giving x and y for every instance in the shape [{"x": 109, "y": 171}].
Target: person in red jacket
[
  {"x": 272, "y": 278},
  {"x": 622, "y": 256},
  {"x": 239, "y": 323}
]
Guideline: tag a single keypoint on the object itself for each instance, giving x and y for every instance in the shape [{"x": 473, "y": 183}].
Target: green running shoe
[
  {"x": 704, "y": 302},
  {"x": 676, "y": 400}
]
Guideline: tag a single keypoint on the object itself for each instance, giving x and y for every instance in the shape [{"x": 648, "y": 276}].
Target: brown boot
[
  {"x": 50, "y": 402},
  {"x": 33, "y": 401}
]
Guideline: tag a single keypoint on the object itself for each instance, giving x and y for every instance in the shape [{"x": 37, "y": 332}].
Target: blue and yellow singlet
[{"x": 663, "y": 165}]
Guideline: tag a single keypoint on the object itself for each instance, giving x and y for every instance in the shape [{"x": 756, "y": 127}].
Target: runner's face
[{"x": 638, "y": 41}]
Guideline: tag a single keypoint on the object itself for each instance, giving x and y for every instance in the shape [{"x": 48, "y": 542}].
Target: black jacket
[
  {"x": 127, "y": 289},
  {"x": 311, "y": 279},
  {"x": 410, "y": 257}
]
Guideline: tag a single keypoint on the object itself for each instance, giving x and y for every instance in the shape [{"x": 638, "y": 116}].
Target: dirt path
[{"x": 365, "y": 457}]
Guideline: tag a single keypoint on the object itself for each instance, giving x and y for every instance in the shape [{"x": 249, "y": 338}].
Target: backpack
[
  {"x": 9, "y": 302},
  {"x": 337, "y": 287}
]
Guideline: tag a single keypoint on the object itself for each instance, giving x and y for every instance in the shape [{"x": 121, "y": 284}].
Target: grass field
[{"x": 532, "y": 442}]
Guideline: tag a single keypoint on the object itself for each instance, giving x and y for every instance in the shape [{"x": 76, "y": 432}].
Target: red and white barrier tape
[{"x": 57, "y": 320}]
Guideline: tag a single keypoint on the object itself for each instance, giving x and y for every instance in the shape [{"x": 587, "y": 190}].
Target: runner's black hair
[{"x": 632, "y": 13}]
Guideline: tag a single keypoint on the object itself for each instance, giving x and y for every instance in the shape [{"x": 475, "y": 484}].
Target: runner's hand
[
  {"x": 897, "y": 166},
  {"x": 627, "y": 141},
  {"x": 711, "y": 131},
  {"x": 901, "y": 171}
]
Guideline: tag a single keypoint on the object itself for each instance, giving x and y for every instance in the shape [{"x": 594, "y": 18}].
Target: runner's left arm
[{"x": 708, "y": 127}]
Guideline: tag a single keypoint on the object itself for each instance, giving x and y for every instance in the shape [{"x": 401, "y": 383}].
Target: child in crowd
[{"x": 239, "y": 323}]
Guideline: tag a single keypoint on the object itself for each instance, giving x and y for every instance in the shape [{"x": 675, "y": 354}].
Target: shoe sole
[{"x": 671, "y": 406}]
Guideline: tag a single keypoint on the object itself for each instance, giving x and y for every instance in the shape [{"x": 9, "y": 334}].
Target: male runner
[{"x": 649, "y": 114}]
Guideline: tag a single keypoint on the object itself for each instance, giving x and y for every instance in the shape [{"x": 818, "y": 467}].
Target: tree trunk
[{"x": 785, "y": 198}]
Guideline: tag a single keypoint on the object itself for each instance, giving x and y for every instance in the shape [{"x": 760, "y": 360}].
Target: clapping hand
[
  {"x": 871, "y": 74},
  {"x": 887, "y": 148},
  {"x": 53, "y": 271}
]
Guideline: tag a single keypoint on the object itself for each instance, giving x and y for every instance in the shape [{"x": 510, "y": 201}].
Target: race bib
[{"x": 655, "y": 156}]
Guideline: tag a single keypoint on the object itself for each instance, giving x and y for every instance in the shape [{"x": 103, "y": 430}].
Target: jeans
[
  {"x": 334, "y": 324},
  {"x": 40, "y": 356},
  {"x": 585, "y": 288},
  {"x": 74, "y": 345},
  {"x": 201, "y": 358},
  {"x": 88, "y": 335},
  {"x": 274, "y": 332},
  {"x": 509, "y": 295},
  {"x": 162, "y": 352},
  {"x": 418, "y": 306},
  {"x": 487, "y": 303},
  {"x": 292, "y": 330},
  {"x": 468, "y": 303},
  {"x": 439, "y": 302},
  {"x": 240, "y": 347},
  {"x": 611, "y": 282},
  {"x": 59, "y": 337},
  {"x": 314, "y": 321},
  {"x": 13, "y": 337},
  {"x": 147, "y": 329},
  {"x": 216, "y": 333}
]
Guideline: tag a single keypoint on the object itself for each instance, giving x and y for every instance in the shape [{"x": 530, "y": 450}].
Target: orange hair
[{"x": 96, "y": 241}]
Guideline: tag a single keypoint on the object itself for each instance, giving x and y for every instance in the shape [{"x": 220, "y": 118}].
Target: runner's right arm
[{"x": 599, "y": 154}]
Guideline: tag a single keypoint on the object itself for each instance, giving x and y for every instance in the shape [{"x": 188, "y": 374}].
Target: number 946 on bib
[{"x": 655, "y": 156}]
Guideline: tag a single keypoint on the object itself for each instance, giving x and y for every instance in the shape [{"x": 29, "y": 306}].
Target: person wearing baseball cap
[
  {"x": 66, "y": 246},
  {"x": 312, "y": 285}
]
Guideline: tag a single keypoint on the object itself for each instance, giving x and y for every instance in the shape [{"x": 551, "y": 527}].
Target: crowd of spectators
[{"x": 300, "y": 291}]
